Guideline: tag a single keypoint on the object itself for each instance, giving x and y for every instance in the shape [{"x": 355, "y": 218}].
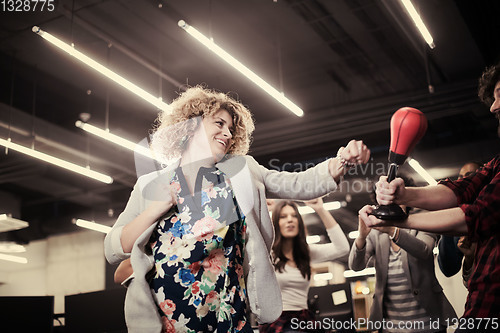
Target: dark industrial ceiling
[{"x": 349, "y": 64}]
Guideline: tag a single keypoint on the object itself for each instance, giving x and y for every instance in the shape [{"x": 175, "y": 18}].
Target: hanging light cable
[
  {"x": 105, "y": 133},
  {"x": 102, "y": 69},
  {"x": 57, "y": 161},
  {"x": 280, "y": 97}
]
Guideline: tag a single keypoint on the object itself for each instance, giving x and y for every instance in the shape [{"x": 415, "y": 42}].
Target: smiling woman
[
  {"x": 175, "y": 128},
  {"x": 218, "y": 130},
  {"x": 189, "y": 228}
]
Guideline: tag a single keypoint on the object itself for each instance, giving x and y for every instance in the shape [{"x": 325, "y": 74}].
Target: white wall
[
  {"x": 453, "y": 288},
  {"x": 60, "y": 265}
]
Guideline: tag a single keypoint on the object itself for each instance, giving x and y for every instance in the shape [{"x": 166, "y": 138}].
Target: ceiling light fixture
[
  {"x": 11, "y": 247},
  {"x": 92, "y": 225},
  {"x": 17, "y": 259},
  {"x": 105, "y": 134},
  {"x": 419, "y": 23},
  {"x": 421, "y": 171},
  {"x": 8, "y": 223},
  {"x": 323, "y": 276},
  {"x": 57, "y": 161},
  {"x": 313, "y": 239},
  {"x": 327, "y": 205},
  {"x": 367, "y": 271},
  {"x": 210, "y": 44},
  {"x": 102, "y": 69},
  {"x": 353, "y": 234}
]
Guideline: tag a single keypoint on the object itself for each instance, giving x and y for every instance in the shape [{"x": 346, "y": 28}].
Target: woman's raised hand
[{"x": 315, "y": 204}]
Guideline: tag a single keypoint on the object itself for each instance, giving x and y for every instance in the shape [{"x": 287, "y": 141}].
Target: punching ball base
[{"x": 390, "y": 212}]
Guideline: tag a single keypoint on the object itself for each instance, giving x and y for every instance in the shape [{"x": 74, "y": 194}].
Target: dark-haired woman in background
[{"x": 293, "y": 257}]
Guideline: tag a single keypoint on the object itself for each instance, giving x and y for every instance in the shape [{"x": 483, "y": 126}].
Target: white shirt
[{"x": 294, "y": 287}]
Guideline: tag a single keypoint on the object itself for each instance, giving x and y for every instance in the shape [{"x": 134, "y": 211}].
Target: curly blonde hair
[{"x": 174, "y": 128}]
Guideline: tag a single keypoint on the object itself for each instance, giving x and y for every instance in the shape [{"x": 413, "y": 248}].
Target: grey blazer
[
  {"x": 418, "y": 265},
  {"x": 251, "y": 184}
]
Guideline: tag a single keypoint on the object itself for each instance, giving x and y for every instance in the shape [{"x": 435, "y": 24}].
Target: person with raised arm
[
  {"x": 197, "y": 232},
  {"x": 293, "y": 256}
]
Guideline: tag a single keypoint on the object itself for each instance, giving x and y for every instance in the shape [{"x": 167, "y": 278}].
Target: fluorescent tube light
[
  {"x": 353, "y": 234},
  {"x": 327, "y": 205},
  {"x": 8, "y": 223},
  {"x": 421, "y": 171},
  {"x": 419, "y": 23},
  {"x": 93, "y": 226},
  {"x": 11, "y": 247},
  {"x": 367, "y": 271},
  {"x": 105, "y": 134},
  {"x": 313, "y": 239},
  {"x": 57, "y": 161},
  {"x": 17, "y": 259},
  {"x": 102, "y": 69},
  {"x": 280, "y": 97},
  {"x": 323, "y": 276}
]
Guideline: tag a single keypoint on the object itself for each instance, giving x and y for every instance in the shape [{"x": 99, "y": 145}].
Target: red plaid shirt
[{"x": 479, "y": 197}]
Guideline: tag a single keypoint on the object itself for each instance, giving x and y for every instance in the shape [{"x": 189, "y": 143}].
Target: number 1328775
[{"x": 27, "y": 5}]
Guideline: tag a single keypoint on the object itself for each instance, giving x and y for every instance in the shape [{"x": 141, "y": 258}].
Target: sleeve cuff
[
  {"x": 472, "y": 227},
  {"x": 325, "y": 170},
  {"x": 116, "y": 245},
  {"x": 127, "y": 281}
]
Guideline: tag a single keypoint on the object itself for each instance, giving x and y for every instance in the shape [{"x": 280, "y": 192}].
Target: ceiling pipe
[{"x": 363, "y": 117}]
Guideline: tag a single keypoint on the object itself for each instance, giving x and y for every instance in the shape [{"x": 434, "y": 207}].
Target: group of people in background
[
  {"x": 406, "y": 289},
  {"x": 198, "y": 248}
]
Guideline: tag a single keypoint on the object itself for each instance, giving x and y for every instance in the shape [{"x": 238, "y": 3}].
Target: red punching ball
[{"x": 408, "y": 126}]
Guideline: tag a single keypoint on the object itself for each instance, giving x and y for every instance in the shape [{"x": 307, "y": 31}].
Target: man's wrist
[
  {"x": 320, "y": 210},
  {"x": 342, "y": 161},
  {"x": 407, "y": 198},
  {"x": 360, "y": 242}
]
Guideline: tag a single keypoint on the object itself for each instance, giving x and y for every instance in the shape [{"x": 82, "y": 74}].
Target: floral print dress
[{"x": 198, "y": 250}]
